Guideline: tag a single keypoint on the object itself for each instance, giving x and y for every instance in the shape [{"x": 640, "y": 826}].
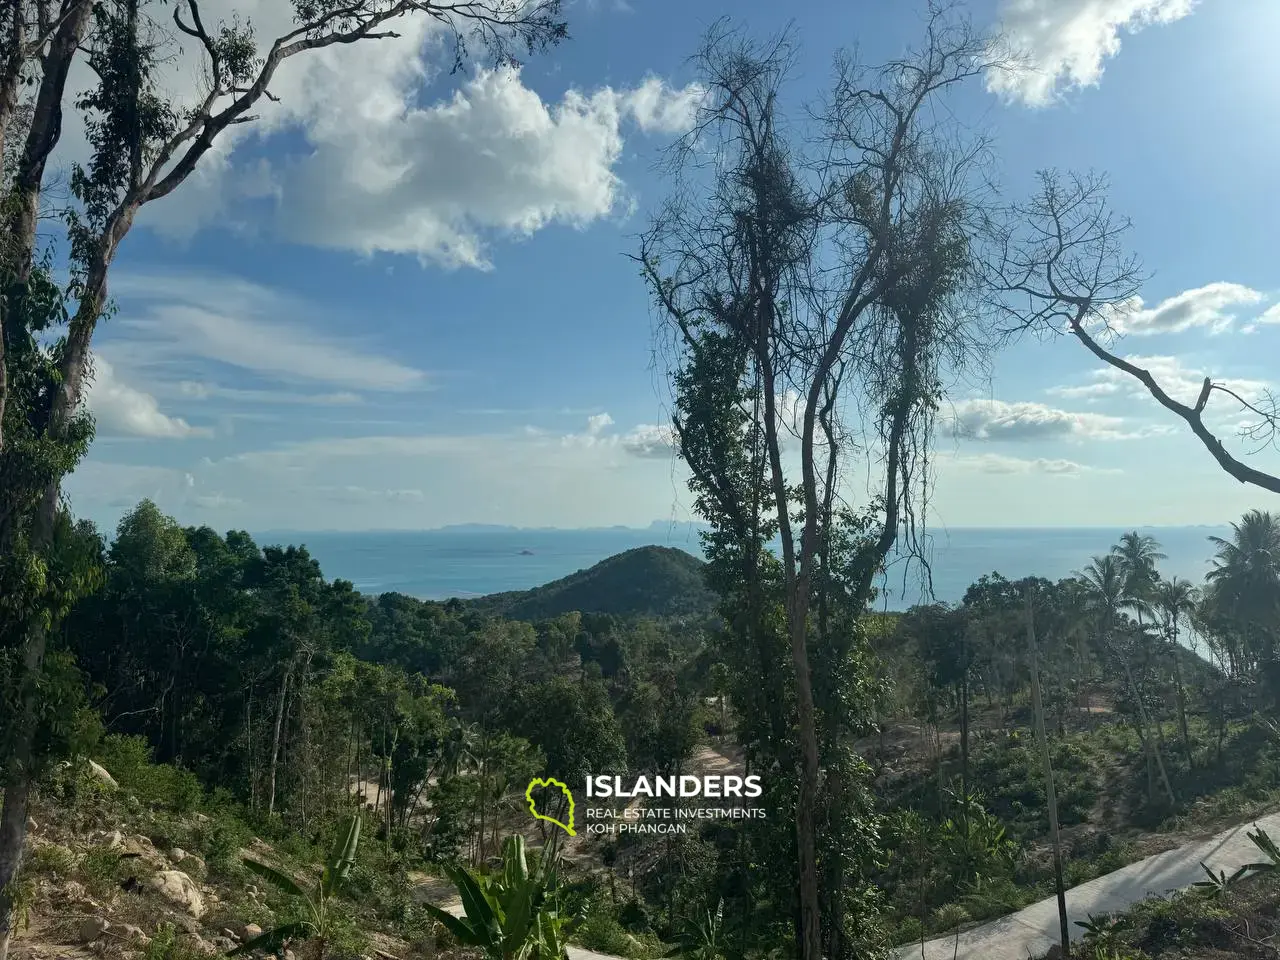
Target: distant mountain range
[
  {"x": 644, "y": 582},
  {"x": 656, "y": 525}
]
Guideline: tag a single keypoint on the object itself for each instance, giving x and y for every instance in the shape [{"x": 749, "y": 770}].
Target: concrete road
[{"x": 1033, "y": 930}]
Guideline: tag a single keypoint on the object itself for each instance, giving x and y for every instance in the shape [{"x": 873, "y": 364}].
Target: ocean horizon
[{"x": 472, "y": 560}]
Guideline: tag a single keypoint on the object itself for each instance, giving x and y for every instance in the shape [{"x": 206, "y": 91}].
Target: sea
[{"x": 469, "y": 562}]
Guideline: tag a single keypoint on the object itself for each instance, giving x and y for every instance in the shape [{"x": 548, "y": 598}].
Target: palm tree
[
  {"x": 1244, "y": 584},
  {"x": 1105, "y": 583},
  {"x": 1138, "y": 556},
  {"x": 1175, "y": 599}
]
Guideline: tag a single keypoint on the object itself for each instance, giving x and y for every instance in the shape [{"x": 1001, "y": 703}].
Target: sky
[{"x": 402, "y": 298}]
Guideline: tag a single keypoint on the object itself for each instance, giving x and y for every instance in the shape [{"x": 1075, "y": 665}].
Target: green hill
[{"x": 644, "y": 582}]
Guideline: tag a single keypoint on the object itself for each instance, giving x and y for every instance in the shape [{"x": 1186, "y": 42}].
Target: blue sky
[{"x": 403, "y": 299}]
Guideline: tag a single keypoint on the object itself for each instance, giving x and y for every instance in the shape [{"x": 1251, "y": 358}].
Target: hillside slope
[{"x": 647, "y": 581}]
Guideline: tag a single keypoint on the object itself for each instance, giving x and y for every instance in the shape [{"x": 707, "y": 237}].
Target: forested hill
[{"x": 646, "y": 582}]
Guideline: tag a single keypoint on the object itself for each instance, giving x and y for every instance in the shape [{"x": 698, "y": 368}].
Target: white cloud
[
  {"x": 659, "y": 108},
  {"x": 200, "y": 390},
  {"x": 596, "y": 423},
  {"x": 1064, "y": 43},
  {"x": 119, "y": 408},
  {"x": 1206, "y": 306},
  {"x": 1000, "y": 464},
  {"x": 1181, "y": 382},
  {"x": 250, "y": 327},
  {"x": 1026, "y": 421},
  {"x": 1085, "y": 391},
  {"x": 452, "y": 168},
  {"x": 1270, "y": 315},
  {"x": 650, "y": 440}
]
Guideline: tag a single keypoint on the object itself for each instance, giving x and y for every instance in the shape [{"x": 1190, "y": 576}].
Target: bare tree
[
  {"x": 807, "y": 294},
  {"x": 1065, "y": 265}
]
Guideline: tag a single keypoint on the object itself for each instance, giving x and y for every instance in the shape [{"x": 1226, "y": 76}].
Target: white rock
[
  {"x": 177, "y": 854},
  {"x": 113, "y": 840},
  {"x": 179, "y": 889},
  {"x": 100, "y": 772}
]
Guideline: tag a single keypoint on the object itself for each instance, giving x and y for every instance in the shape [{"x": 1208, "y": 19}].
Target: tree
[
  {"x": 142, "y": 147},
  {"x": 1175, "y": 599},
  {"x": 802, "y": 294},
  {"x": 1104, "y": 579},
  {"x": 1064, "y": 255}
]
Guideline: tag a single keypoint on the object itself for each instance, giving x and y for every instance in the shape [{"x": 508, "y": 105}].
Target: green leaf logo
[{"x": 533, "y": 806}]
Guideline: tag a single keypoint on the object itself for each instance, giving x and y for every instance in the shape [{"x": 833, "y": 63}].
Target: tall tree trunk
[
  {"x": 1182, "y": 700},
  {"x": 1051, "y": 794},
  {"x": 275, "y": 738},
  {"x": 964, "y": 735}
]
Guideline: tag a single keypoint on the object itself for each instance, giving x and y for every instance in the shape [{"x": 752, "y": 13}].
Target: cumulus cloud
[
  {"x": 453, "y": 167},
  {"x": 643, "y": 440},
  {"x": 1064, "y": 44},
  {"x": 122, "y": 409},
  {"x": 596, "y": 423},
  {"x": 1208, "y": 307},
  {"x": 659, "y": 108},
  {"x": 650, "y": 440},
  {"x": 998, "y": 420},
  {"x": 1270, "y": 315}
]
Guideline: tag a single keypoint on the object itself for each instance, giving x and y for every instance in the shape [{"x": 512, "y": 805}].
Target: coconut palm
[
  {"x": 1245, "y": 580},
  {"x": 1106, "y": 588},
  {"x": 1138, "y": 556},
  {"x": 1174, "y": 600}
]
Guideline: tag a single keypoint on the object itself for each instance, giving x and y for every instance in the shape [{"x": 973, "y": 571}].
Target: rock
[
  {"x": 113, "y": 840},
  {"x": 228, "y": 932},
  {"x": 290, "y": 955},
  {"x": 200, "y": 818},
  {"x": 252, "y": 930},
  {"x": 32, "y": 826},
  {"x": 91, "y": 928},
  {"x": 224, "y": 943},
  {"x": 100, "y": 773},
  {"x": 179, "y": 889},
  {"x": 133, "y": 934},
  {"x": 177, "y": 854},
  {"x": 73, "y": 890}
]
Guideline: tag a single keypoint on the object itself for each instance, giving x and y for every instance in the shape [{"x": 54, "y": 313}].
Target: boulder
[
  {"x": 91, "y": 928},
  {"x": 180, "y": 890},
  {"x": 100, "y": 774},
  {"x": 32, "y": 826},
  {"x": 73, "y": 890},
  {"x": 177, "y": 854},
  {"x": 113, "y": 840},
  {"x": 252, "y": 930},
  {"x": 133, "y": 934}
]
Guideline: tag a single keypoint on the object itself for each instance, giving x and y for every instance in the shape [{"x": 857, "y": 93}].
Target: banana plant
[
  {"x": 318, "y": 923},
  {"x": 1262, "y": 840},
  {"x": 1218, "y": 883},
  {"x": 702, "y": 937},
  {"x": 512, "y": 915}
]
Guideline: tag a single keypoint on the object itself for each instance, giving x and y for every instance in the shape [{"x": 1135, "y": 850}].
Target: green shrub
[{"x": 129, "y": 761}]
